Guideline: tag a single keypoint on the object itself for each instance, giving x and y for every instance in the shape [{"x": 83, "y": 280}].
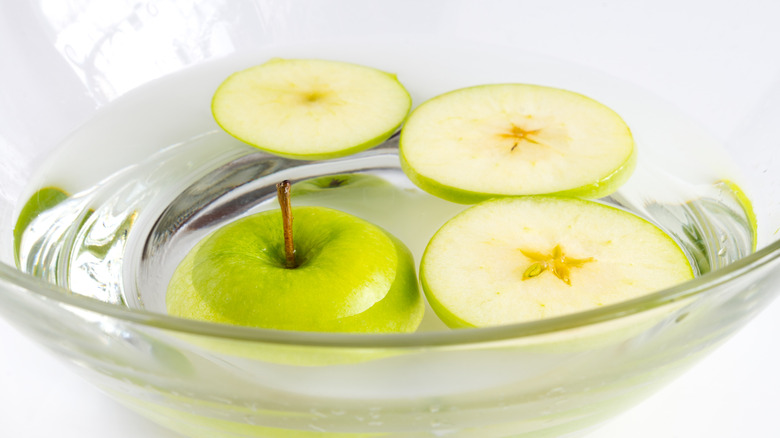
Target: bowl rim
[{"x": 440, "y": 338}]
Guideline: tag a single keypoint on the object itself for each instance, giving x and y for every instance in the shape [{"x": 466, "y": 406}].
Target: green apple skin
[
  {"x": 599, "y": 189},
  {"x": 42, "y": 200},
  {"x": 309, "y": 109},
  {"x": 351, "y": 276},
  {"x": 603, "y": 184},
  {"x": 630, "y": 257},
  {"x": 744, "y": 201},
  {"x": 450, "y": 319},
  {"x": 346, "y": 181}
]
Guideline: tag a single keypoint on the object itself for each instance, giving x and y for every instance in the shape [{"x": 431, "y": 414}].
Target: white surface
[{"x": 734, "y": 392}]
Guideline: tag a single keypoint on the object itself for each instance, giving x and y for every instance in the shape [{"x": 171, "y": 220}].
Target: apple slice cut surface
[
  {"x": 311, "y": 109},
  {"x": 518, "y": 259},
  {"x": 476, "y": 143}
]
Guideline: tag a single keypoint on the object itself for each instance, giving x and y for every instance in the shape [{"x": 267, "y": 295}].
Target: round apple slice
[
  {"x": 514, "y": 139},
  {"x": 511, "y": 260},
  {"x": 311, "y": 109}
]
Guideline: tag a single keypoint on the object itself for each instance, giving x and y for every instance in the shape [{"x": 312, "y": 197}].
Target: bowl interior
[{"x": 122, "y": 86}]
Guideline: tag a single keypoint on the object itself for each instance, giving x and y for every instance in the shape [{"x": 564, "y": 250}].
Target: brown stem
[{"x": 283, "y": 194}]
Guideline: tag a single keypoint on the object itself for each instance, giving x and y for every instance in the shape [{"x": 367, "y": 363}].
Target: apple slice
[
  {"x": 514, "y": 139},
  {"x": 311, "y": 109},
  {"x": 340, "y": 274},
  {"x": 511, "y": 260},
  {"x": 42, "y": 200}
]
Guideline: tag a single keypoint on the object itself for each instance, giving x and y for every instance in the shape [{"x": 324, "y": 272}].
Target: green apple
[
  {"x": 344, "y": 275},
  {"x": 347, "y": 181},
  {"x": 732, "y": 190},
  {"x": 487, "y": 141},
  {"x": 518, "y": 259},
  {"x": 42, "y": 200},
  {"x": 309, "y": 108}
]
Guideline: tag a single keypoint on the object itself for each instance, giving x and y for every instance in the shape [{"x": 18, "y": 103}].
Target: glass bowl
[{"x": 103, "y": 93}]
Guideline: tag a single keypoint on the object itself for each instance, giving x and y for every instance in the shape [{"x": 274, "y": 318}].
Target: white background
[{"x": 734, "y": 392}]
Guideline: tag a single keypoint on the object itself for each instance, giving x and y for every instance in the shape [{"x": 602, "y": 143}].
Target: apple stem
[{"x": 283, "y": 194}]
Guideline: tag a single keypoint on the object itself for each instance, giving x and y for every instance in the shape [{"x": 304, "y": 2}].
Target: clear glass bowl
[{"x": 75, "y": 62}]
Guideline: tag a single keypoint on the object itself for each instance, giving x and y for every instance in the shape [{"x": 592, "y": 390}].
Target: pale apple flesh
[
  {"x": 351, "y": 276},
  {"x": 519, "y": 259},
  {"x": 481, "y": 142},
  {"x": 311, "y": 109}
]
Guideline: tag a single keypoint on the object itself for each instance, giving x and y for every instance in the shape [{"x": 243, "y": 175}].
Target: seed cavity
[
  {"x": 313, "y": 96},
  {"x": 556, "y": 262},
  {"x": 519, "y": 135}
]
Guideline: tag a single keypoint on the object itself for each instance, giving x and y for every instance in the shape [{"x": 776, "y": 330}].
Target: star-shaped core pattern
[
  {"x": 556, "y": 261},
  {"x": 519, "y": 134}
]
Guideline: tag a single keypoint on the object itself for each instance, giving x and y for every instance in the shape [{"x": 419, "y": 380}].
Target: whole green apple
[{"x": 348, "y": 276}]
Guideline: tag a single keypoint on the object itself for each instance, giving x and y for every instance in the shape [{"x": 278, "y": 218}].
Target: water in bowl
[{"x": 151, "y": 173}]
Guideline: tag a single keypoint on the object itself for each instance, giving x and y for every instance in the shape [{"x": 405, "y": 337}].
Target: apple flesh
[
  {"x": 351, "y": 276},
  {"x": 511, "y": 260},
  {"x": 481, "y": 142},
  {"x": 311, "y": 109}
]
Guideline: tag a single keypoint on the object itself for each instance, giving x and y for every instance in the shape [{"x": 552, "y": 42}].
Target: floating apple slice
[
  {"x": 340, "y": 274},
  {"x": 42, "y": 200},
  {"x": 311, "y": 109},
  {"x": 513, "y": 139},
  {"x": 732, "y": 191},
  {"x": 511, "y": 260}
]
